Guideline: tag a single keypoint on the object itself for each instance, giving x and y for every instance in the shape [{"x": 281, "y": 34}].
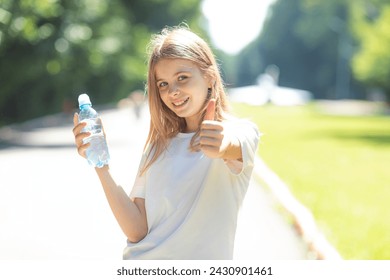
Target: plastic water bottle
[{"x": 97, "y": 153}]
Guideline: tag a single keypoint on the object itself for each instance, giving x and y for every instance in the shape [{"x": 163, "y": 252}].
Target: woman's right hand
[{"x": 79, "y": 136}]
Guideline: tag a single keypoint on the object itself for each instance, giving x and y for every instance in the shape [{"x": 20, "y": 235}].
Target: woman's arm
[{"x": 131, "y": 215}]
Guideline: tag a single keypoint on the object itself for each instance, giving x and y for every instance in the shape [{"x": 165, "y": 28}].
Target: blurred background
[
  {"x": 314, "y": 75},
  {"x": 52, "y": 50}
]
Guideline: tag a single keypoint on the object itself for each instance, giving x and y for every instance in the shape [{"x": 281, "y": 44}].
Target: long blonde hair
[{"x": 178, "y": 43}]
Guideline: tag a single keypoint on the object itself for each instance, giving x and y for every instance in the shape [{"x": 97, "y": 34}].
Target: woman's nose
[{"x": 174, "y": 90}]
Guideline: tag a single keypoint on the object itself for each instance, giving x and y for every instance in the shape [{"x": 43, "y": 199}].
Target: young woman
[{"x": 197, "y": 160}]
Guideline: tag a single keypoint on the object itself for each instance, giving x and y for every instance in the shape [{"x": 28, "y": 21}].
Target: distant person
[
  {"x": 197, "y": 160},
  {"x": 137, "y": 100},
  {"x": 270, "y": 77}
]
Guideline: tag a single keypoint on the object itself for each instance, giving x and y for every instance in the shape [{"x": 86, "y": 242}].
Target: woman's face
[{"x": 183, "y": 89}]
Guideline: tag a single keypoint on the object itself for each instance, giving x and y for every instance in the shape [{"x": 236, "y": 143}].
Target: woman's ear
[
  {"x": 210, "y": 79},
  {"x": 211, "y": 84}
]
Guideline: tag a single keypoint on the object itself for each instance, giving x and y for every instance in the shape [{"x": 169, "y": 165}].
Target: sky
[{"x": 234, "y": 23}]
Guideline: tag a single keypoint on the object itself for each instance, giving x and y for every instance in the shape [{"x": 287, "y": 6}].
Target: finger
[
  {"x": 210, "y": 151},
  {"x": 82, "y": 150},
  {"x": 209, "y": 148},
  {"x": 215, "y": 134},
  {"x": 211, "y": 125},
  {"x": 208, "y": 141},
  {"x": 77, "y": 129},
  {"x": 75, "y": 119},
  {"x": 210, "y": 110},
  {"x": 79, "y": 138}
]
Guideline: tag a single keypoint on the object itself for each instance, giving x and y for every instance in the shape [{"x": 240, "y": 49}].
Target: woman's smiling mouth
[{"x": 181, "y": 102}]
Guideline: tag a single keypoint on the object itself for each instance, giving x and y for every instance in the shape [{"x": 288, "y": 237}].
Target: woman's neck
[{"x": 192, "y": 124}]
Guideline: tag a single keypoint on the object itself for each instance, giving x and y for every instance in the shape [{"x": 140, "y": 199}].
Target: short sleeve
[
  {"x": 138, "y": 188},
  {"x": 248, "y": 135}
]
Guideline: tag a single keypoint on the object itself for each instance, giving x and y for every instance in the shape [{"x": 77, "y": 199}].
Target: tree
[
  {"x": 51, "y": 51},
  {"x": 311, "y": 43},
  {"x": 371, "y": 63}
]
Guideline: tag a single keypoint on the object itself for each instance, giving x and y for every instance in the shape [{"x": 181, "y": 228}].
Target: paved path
[{"x": 53, "y": 207}]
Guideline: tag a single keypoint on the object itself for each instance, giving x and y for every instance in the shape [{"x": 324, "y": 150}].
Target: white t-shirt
[{"x": 192, "y": 201}]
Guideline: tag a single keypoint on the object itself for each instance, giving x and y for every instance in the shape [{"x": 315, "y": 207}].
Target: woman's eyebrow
[{"x": 187, "y": 70}]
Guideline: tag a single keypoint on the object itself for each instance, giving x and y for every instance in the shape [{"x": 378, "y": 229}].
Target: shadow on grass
[{"x": 377, "y": 139}]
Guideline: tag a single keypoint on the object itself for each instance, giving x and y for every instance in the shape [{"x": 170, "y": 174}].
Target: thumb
[
  {"x": 210, "y": 110},
  {"x": 75, "y": 119}
]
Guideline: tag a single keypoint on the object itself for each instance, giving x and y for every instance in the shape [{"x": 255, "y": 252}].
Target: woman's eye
[
  {"x": 182, "y": 78},
  {"x": 162, "y": 84}
]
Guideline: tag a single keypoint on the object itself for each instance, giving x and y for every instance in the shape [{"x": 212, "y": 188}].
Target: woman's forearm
[{"x": 130, "y": 215}]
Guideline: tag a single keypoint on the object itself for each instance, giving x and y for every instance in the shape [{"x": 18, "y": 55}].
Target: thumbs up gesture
[{"x": 217, "y": 139}]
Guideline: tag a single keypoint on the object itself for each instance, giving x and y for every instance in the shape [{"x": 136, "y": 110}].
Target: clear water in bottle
[{"x": 97, "y": 153}]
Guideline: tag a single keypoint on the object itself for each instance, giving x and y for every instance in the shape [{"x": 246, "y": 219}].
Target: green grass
[{"x": 338, "y": 167}]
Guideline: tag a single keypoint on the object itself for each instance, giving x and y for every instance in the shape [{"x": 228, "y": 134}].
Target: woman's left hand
[{"x": 217, "y": 139}]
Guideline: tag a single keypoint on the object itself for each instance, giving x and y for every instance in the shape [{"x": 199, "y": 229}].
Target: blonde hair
[{"x": 178, "y": 43}]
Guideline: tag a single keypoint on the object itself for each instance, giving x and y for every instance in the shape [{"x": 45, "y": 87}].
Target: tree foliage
[
  {"x": 333, "y": 48},
  {"x": 371, "y": 63},
  {"x": 53, "y": 50},
  {"x": 304, "y": 53}
]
